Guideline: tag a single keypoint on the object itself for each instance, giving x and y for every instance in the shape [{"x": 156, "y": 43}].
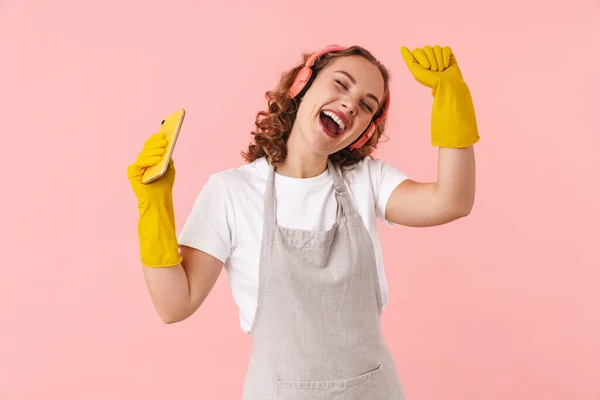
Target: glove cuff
[
  {"x": 453, "y": 121},
  {"x": 157, "y": 235}
]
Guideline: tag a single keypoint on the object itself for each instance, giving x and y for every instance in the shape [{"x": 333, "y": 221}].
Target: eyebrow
[{"x": 371, "y": 95}]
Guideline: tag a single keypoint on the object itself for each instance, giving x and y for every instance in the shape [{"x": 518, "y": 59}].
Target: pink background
[{"x": 501, "y": 305}]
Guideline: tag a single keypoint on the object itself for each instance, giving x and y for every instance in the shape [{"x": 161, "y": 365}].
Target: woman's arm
[
  {"x": 454, "y": 130},
  {"x": 434, "y": 203},
  {"x": 178, "y": 291}
]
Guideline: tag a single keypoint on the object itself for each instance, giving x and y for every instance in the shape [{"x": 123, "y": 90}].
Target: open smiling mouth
[{"x": 332, "y": 124}]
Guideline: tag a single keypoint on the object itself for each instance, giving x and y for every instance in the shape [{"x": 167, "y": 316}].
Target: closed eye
[
  {"x": 341, "y": 84},
  {"x": 365, "y": 105}
]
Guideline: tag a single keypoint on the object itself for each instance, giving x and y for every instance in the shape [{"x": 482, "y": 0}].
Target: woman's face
[{"x": 339, "y": 105}]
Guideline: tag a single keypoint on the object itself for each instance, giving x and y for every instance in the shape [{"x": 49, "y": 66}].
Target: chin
[
  {"x": 320, "y": 148},
  {"x": 322, "y": 144}
]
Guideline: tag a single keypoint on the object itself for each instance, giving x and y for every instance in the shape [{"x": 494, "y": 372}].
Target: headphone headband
[{"x": 329, "y": 49}]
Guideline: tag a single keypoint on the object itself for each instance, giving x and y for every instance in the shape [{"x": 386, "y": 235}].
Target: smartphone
[{"x": 169, "y": 127}]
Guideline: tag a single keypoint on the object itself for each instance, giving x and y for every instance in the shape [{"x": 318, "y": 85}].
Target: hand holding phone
[
  {"x": 156, "y": 226},
  {"x": 170, "y": 128}
]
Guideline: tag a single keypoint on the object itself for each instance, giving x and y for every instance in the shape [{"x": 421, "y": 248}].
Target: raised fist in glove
[{"x": 453, "y": 122}]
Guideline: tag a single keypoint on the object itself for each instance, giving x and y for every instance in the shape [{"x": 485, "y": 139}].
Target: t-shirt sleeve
[
  {"x": 210, "y": 224},
  {"x": 385, "y": 178}
]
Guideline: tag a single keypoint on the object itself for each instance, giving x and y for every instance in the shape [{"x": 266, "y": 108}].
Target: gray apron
[{"x": 316, "y": 332}]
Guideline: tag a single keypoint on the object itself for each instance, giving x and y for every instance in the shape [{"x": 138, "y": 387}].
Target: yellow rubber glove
[
  {"x": 453, "y": 122},
  {"x": 156, "y": 224}
]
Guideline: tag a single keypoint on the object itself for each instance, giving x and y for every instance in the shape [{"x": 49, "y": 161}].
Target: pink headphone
[{"x": 303, "y": 77}]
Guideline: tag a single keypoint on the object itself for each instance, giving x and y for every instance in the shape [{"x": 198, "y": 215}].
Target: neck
[{"x": 301, "y": 162}]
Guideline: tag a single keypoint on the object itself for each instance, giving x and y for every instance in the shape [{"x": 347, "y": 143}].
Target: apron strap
[
  {"x": 341, "y": 192},
  {"x": 270, "y": 202}
]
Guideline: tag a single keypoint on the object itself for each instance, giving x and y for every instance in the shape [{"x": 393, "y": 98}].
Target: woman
[{"x": 296, "y": 227}]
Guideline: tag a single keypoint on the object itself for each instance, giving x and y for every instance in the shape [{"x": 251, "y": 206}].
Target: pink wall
[{"x": 501, "y": 305}]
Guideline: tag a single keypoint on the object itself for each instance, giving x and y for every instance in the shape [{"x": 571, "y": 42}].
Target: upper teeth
[{"x": 337, "y": 119}]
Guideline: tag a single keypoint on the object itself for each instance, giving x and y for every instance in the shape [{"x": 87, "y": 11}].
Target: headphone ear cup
[
  {"x": 300, "y": 81},
  {"x": 364, "y": 137}
]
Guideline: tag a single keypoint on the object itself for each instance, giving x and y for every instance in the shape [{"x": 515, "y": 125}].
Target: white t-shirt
[{"x": 226, "y": 220}]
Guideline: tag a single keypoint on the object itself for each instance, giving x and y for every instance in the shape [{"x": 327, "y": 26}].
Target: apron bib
[{"x": 316, "y": 333}]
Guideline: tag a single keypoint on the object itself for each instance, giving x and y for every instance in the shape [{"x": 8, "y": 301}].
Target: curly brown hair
[{"x": 273, "y": 126}]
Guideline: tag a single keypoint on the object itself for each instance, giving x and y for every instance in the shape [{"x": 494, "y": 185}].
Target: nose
[{"x": 350, "y": 105}]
